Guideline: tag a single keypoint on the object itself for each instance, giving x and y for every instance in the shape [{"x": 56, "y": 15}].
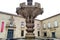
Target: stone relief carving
[{"x": 11, "y": 24}]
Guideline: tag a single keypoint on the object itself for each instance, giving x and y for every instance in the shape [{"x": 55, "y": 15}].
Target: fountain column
[{"x": 29, "y": 12}]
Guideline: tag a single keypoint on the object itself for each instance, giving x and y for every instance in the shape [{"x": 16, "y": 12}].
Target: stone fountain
[{"x": 29, "y": 12}]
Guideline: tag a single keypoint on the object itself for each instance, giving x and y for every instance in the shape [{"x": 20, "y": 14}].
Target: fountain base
[{"x": 30, "y": 36}]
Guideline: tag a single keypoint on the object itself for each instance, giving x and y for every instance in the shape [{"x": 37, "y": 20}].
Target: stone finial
[{"x": 29, "y": 2}]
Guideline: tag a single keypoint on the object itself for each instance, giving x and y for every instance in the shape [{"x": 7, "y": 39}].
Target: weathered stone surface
[{"x": 29, "y": 12}]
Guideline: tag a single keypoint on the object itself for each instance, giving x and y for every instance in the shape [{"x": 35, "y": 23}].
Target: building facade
[
  {"x": 51, "y": 27},
  {"x": 14, "y": 26}
]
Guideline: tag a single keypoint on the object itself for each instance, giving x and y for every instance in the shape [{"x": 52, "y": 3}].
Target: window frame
[
  {"x": 49, "y": 25},
  {"x": 45, "y": 34},
  {"x": 44, "y": 25},
  {"x": 22, "y": 33},
  {"x": 38, "y": 33},
  {"x": 55, "y": 23},
  {"x": 22, "y": 24}
]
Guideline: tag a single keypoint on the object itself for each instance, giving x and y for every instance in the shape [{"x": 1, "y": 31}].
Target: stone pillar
[{"x": 30, "y": 26}]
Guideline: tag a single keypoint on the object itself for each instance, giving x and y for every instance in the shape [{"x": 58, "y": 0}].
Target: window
[
  {"x": 45, "y": 34},
  {"x": 38, "y": 26},
  {"x": 22, "y": 33},
  {"x": 53, "y": 35},
  {"x": 49, "y": 25},
  {"x": 38, "y": 33},
  {"x": 55, "y": 23},
  {"x": 22, "y": 24},
  {"x": 44, "y": 26}
]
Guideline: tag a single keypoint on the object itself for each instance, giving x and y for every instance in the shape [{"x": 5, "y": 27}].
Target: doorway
[
  {"x": 10, "y": 34},
  {"x": 53, "y": 34}
]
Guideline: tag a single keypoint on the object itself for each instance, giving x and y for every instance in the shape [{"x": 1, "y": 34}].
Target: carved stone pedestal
[{"x": 30, "y": 35}]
